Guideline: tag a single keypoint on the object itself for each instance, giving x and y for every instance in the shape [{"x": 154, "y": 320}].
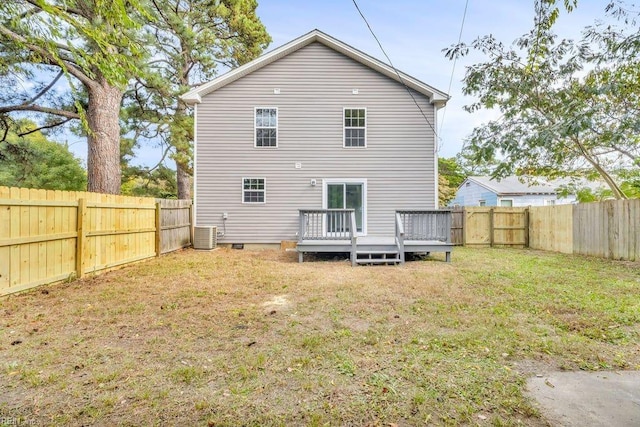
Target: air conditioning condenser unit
[{"x": 205, "y": 238}]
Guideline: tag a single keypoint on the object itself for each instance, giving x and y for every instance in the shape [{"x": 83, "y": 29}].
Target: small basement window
[{"x": 253, "y": 190}]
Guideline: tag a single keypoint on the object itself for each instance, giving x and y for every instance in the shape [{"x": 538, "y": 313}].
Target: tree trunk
[
  {"x": 103, "y": 119},
  {"x": 184, "y": 182}
]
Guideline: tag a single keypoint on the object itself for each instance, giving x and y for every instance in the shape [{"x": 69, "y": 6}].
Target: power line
[
  {"x": 396, "y": 71},
  {"x": 455, "y": 59}
]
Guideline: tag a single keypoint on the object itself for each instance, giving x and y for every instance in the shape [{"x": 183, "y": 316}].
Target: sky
[{"x": 413, "y": 33}]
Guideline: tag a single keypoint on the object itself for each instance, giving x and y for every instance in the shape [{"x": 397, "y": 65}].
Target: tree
[
  {"x": 189, "y": 41},
  {"x": 33, "y": 161},
  {"x": 567, "y": 108},
  {"x": 450, "y": 176},
  {"x": 94, "y": 45},
  {"x": 140, "y": 181}
]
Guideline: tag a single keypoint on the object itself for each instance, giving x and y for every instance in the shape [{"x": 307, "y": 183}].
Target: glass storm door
[{"x": 345, "y": 196}]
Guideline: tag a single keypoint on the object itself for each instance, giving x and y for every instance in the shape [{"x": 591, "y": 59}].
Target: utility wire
[
  {"x": 396, "y": 70},
  {"x": 455, "y": 59}
]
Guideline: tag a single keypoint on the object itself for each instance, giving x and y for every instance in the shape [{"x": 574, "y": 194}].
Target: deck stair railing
[{"x": 426, "y": 225}]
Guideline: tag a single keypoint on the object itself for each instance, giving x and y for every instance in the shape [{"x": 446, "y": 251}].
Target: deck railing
[
  {"x": 400, "y": 237},
  {"x": 327, "y": 224},
  {"x": 426, "y": 224}
]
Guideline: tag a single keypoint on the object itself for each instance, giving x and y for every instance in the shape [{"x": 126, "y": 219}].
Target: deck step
[
  {"x": 378, "y": 260},
  {"x": 381, "y": 256}
]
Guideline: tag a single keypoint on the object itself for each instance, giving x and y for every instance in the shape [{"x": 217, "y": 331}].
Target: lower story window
[{"x": 253, "y": 190}]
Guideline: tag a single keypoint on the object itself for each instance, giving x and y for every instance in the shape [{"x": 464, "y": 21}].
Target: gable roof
[
  {"x": 195, "y": 95},
  {"x": 512, "y": 186}
]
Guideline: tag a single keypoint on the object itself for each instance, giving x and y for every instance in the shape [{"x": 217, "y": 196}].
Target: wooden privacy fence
[
  {"x": 48, "y": 236},
  {"x": 490, "y": 226},
  {"x": 609, "y": 229}
]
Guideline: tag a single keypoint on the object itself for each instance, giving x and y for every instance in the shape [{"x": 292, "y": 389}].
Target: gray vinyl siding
[{"x": 315, "y": 85}]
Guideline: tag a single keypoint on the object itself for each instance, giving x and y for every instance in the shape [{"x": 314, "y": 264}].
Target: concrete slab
[{"x": 588, "y": 399}]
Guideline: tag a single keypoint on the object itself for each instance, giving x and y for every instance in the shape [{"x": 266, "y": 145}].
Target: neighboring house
[
  {"x": 510, "y": 191},
  {"x": 313, "y": 124}
]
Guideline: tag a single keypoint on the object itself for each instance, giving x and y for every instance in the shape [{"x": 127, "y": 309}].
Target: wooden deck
[{"x": 416, "y": 232}]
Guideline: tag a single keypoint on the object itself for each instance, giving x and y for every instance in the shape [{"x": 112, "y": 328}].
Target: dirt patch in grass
[{"x": 254, "y": 338}]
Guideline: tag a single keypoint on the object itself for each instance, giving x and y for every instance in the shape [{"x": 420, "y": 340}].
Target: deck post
[
  {"x": 400, "y": 237},
  {"x": 354, "y": 243}
]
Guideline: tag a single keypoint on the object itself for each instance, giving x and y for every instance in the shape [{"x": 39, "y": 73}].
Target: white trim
[
  {"x": 436, "y": 165},
  {"x": 195, "y": 161},
  {"x": 255, "y": 140},
  {"x": 362, "y": 181},
  {"x": 501, "y": 199},
  {"x": 264, "y": 191},
  {"x": 436, "y": 97},
  {"x": 344, "y": 127}
]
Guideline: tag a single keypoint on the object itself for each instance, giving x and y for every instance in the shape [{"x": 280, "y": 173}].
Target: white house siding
[{"x": 315, "y": 85}]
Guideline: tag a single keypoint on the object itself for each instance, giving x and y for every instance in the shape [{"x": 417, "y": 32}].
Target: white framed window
[
  {"x": 549, "y": 202},
  {"x": 266, "y": 127},
  {"x": 254, "y": 190},
  {"x": 355, "y": 127},
  {"x": 482, "y": 203},
  {"x": 506, "y": 203}
]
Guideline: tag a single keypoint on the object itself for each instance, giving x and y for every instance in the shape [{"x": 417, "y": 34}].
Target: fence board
[
  {"x": 176, "y": 224},
  {"x": 477, "y": 227},
  {"x": 39, "y": 232},
  {"x": 509, "y": 227},
  {"x": 457, "y": 226},
  {"x": 609, "y": 229},
  {"x": 551, "y": 228},
  {"x": 5, "y": 233}
]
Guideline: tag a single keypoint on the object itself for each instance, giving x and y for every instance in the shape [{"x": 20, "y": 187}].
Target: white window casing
[
  {"x": 265, "y": 132},
  {"x": 254, "y": 190},
  {"x": 354, "y": 127}
]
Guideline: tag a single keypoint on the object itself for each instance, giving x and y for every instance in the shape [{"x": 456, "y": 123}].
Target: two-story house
[{"x": 313, "y": 124}]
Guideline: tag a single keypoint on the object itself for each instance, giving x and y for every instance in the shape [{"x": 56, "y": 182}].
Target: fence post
[
  {"x": 80, "y": 240},
  {"x": 464, "y": 227},
  {"x": 158, "y": 229},
  {"x": 491, "y": 230},
  {"x": 191, "y": 225},
  {"x": 526, "y": 227}
]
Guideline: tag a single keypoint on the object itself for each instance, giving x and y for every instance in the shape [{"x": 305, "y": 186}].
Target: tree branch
[
  {"x": 40, "y": 109},
  {"x": 76, "y": 72},
  {"x": 53, "y": 125},
  {"x": 46, "y": 89}
]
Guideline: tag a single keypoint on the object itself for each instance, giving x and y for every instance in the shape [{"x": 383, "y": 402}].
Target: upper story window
[
  {"x": 266, "y": 122},
  {"x": 355, "y": 127},
  {"x": 253, "y": 190}
]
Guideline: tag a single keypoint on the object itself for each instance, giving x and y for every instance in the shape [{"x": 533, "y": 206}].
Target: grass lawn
[{"x": 254, "y": 338}]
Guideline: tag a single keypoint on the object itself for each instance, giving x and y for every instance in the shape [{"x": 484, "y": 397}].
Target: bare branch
[
  {"x": 46, "y": 89},
  {"x": 53, "y": 125}
]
